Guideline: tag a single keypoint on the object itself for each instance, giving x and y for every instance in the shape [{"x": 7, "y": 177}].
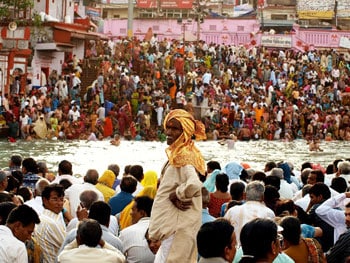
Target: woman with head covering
[
  {"x": 177, "y": 209},
  {"x": 150, "y": 178},
  {"x": 105, "y": 183},
  {"x": 125, "y": 216}
]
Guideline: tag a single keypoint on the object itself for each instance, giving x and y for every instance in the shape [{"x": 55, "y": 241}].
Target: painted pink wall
[{"x": 228, "y": 31}]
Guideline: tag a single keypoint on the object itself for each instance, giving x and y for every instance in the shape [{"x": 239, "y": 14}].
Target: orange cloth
[
  {"x": 183, "y": 151},
  {"x": 107, "y": 127},
  {"x": 125, "y": 219}
]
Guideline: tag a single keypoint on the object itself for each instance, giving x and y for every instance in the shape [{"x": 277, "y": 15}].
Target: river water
[{"x": 151, "y": 155}]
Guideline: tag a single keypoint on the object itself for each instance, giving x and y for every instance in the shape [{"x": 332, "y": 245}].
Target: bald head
[
  {"x": 91, "y": 176},
  {"x": 87, "y": 198}
]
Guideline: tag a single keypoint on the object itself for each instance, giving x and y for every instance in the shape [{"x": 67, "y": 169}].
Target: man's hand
[
  {"x": 182, "y": 205},
  {"x": 82, "y": 213}
]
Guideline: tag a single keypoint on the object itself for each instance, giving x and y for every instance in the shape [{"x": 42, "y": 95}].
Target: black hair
[
  {"x": 5, "y": 209},
  {"x": 213, "y": 237},
  {"x": 25, "y": 193},
  {"x": 237, "y": 190},
  {"x": 65, "y": 167},
  {"x": 24, "y": 214},
  {"x": 89, "y": 232},
  {"x": 222, "y": 182},
  {"x": 273, "y": 180},
  {"x": 52, "y": 188},
  {"x": 144, "y": 203},
  {"x": 101, "y": 212},
  {"x": 320, "y": 189},
  {"x": 137, "y": 172},
  {"x": 339, "y": 184},
  {"x": 30, "y": 165},
  {"x": 128, "y": 184},
  {"x": 256, "y": 238},
  {"x": 291, "y": 229},
  {"x": 213, "y": 165}
]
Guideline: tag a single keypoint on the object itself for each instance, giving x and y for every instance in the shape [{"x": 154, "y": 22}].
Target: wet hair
[
  {"x": 137, "y": 172},
  {"x": 128, "y": 184},
  {"x": 101, "y": 212},
  {"x": 335, "y": 164},
  {"x": 24, "y": 214},
  {"x": 65, "y": 167},
  {"x": 256, "y": 238},
  {"x": 222, "y": 182},
  {"x": 52, "y": 188},
  {"x": 213, "y": 165},
  {"x": 291, "y": 229},
  {"x": 144, "y": 203},
  {"x": 89, "y": 232},
  {"x": 339, "y": 184},
  {"x": 237, "y": 190},
  {"x": 213, "y": 237},
  {"x": 320, "y": 189},
  {"x": 30, "y": 165},
  {"x": 244, "y": 176}
]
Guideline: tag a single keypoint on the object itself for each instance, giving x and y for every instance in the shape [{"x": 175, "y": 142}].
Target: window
[
  {"x": 278, "y": 17},
  {"x": 212, "y": 27},
  {"x": 240, "y": 28}
]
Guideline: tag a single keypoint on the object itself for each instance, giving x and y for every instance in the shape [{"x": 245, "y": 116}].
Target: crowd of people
[
  {"x": 194, "y": 211},
  {"x": 255, "y": 93}
]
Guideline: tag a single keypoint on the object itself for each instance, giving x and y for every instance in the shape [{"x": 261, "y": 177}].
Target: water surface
[{"x": 151, "y": 155}]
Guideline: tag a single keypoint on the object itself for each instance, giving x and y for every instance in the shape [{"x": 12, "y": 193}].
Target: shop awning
[{"x": 63, "y": 47}]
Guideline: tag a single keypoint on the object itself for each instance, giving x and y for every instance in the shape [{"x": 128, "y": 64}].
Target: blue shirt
[
  {"x": 206, "y": 217},
  {"x": 120, "y": 201}
]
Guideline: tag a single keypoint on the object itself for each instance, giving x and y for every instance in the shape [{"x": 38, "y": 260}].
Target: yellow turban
[{"x": 183, "y": 151}]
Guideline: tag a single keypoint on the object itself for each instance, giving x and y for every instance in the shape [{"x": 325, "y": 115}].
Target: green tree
[{"x": 16, "y": 9}]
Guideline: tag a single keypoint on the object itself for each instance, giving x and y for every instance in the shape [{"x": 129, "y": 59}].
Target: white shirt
[
  {"x": 74, "y": 253},
  {"x": 37, "y": 204},
  {"x": 135, "y": 245},
  {"x": 69, "y": 177},
  {"x": 50, "y": 234},
  {"x": 329, "y": 213},
  {"x": 242, "y": 214},
  {"x": 113, "y": 225},
  {"x": 12, "y": 250},
  {"x": 73, "y": 195}
]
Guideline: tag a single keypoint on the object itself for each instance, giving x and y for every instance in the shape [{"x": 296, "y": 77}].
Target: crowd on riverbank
[{"x": 255, "y": 94}]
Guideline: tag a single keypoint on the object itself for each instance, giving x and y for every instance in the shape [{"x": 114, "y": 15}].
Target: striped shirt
[{"x": 50, "y": 234}]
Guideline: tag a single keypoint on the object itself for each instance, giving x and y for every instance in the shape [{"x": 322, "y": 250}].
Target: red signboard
[{"x": 184, "y": 4}]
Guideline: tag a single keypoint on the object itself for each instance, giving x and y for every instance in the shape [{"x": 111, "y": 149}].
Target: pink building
[{"x": 232, "y": 31}]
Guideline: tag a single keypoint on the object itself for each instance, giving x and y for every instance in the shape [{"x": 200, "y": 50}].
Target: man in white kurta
[{"x": 177, "y": 209}]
